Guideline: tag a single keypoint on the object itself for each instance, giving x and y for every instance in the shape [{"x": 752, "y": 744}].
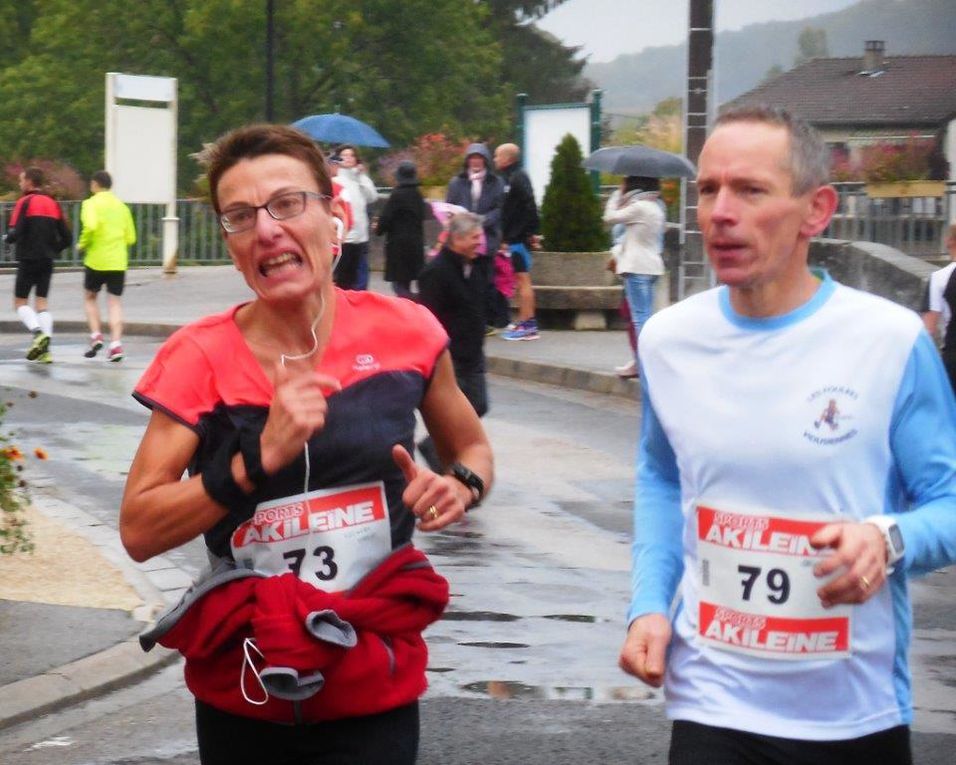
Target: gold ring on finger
[
  {"x": 432, "y": 513},
  {"x": 864, "y": 583}
]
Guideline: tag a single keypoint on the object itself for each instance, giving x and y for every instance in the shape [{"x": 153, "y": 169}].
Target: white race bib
[
  {"x": 758, "y": 593},
  {"x": 329, "y": 538}
]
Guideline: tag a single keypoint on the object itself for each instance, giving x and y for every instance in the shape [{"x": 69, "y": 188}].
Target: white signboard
[
  {"x": 544, "y": 129},
  {"x": 140, "y": 161}
]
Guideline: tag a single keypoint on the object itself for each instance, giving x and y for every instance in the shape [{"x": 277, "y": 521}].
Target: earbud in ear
[{"x": 339, "y": 228}]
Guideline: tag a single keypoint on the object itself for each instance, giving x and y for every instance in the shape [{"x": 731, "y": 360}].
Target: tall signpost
[
  {"x": 141, "y": 147},
  {"x": 694, "y": 270}
]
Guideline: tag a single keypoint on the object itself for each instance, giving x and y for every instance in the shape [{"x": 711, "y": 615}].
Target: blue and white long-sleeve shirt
[{"x": 839, "y": 409}]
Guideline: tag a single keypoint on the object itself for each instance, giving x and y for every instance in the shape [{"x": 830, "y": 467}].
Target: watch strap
[
  {"x": 471, "y": 479},
  {"x": 891, "y": 538}
]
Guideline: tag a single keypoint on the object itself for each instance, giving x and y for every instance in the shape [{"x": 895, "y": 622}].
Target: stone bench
[{"x": 574, "y": 290}]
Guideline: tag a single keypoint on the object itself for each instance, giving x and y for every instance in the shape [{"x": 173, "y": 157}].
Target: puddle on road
[
  {"x": 504, "y": 689},
  {"x": 582, "y": 618},
  {"x": 493, "y": 616},
  {"x": 494, "y": 644},
  {"x": 478, "y": 616}
]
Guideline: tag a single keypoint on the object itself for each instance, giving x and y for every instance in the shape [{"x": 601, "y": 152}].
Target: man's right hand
[
  {"x": 645, "y": 648},
  {"x": 297, "y": 410}
]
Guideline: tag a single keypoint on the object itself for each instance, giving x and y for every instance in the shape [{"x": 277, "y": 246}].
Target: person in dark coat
[
  {"x": 401, "y": 222},
  {"x": 479, "y": 190},
  {"x": 452, "y": 288}
]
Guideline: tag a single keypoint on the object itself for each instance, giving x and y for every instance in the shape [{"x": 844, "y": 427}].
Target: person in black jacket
[
  {"x": 39, "y": 232},
  {"x": 519, "y": 226},
  {"x": 452, "y": 289},
  {"x": 401, "y": 223}
]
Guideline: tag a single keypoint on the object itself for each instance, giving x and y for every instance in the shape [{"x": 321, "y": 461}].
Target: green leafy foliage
[
  {"x": 571, "y": 211},
  {"x": 412, "y": 68}
]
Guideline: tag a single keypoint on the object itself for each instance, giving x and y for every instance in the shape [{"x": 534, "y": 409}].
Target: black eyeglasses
[{"x": 281, "y": 207}]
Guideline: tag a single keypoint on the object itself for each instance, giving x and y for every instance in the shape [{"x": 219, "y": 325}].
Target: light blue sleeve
[
  {"x": 923, "y": 442},
  {"x": 657, "y": 552}
]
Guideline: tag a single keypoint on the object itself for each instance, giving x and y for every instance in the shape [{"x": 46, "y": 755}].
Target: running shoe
[
  {"x": 490, "y": 331},
  {"x": 96, "y": 343},
  {"x": 115, "y": 353},
  {"x": 45, "y": 358},
  {"x": 39, "y": 346},
  {"x": 526, "y": 330}
]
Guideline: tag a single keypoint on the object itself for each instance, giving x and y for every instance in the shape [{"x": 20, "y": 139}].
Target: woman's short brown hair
[{"x": 258, "y": 140}]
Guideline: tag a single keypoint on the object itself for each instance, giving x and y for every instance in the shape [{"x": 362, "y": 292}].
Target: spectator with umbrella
[
  {"x": 359, "y": 191},
  {"x": 637, "y": 206}
]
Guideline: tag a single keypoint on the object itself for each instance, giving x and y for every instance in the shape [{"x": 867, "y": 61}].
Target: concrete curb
[
  {"x": 564, "y": 377},
  {"x": 80, "y": 680},
  {"x": 157, "y": 583}
]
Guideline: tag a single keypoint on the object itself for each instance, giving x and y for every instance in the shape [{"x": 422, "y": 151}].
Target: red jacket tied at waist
[{"x": 384, "y": 669}]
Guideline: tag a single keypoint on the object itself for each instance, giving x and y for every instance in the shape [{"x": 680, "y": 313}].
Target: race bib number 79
[{"x": 758, "y": 593}]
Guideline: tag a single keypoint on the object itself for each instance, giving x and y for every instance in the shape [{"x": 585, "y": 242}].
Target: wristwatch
[
  {"x": 472, "y": 480},
  {"x": 892, "y": 536}
]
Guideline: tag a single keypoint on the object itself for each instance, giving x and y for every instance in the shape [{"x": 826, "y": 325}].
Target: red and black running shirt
[
  {"x": 383, "y": 350},
  {"x": 38, "y": 228}
]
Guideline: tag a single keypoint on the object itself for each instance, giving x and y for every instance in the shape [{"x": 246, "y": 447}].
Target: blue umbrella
[{"x": 340, "y": 128}]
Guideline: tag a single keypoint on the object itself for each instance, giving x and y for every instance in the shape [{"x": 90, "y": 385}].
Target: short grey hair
[
  {"x": 463, "y": 223},
  {"x": 809, "y": 155}
]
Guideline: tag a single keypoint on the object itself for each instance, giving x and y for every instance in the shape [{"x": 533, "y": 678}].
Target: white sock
[
  {"x": 45, "y": 320},
  {"x": 29, "y": 317}
]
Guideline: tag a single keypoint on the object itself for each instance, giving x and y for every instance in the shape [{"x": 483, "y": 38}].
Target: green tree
[
  {"x": 433, "y": 66},
  {"x": 571, "y": 211},
  {"x": 533, "y": 61},
  {"x": 811, "y": 44}
]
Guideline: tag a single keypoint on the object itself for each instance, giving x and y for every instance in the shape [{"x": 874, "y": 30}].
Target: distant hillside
[{"x": 635, "y": 83}]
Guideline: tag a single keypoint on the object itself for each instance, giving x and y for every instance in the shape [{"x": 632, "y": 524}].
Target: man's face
[
  {"x": 25, "y": 184},
  {"x": 750, "y": 220},
  {"x": 502, "y": 158},
  {"x": 467, "y": 244},
  {"x": 476, "y": 163}
]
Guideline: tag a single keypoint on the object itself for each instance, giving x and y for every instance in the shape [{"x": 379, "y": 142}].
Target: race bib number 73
[
  {"x": 329, "y": 538},
  {"x": 758, "y": 593}
]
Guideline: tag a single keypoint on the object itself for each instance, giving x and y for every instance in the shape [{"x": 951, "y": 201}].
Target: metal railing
[
  {"x": 199, "y": 234},
  {"x": 913, "y": 225},
  {"x": 916, "y": 226}
]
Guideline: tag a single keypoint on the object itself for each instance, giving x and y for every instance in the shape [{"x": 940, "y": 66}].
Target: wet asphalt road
[{"x": 523, "y": 666}]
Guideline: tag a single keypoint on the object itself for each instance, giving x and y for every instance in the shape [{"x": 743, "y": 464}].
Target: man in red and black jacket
[{"x": 39, "y": 232}]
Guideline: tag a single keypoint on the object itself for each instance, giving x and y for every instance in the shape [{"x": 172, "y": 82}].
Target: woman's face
[
  {"x": 348, "y": 158},
  {"x": 281, "y": 260}
]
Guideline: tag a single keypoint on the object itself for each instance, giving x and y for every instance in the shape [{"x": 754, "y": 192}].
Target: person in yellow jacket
[{"x": 108, "y": 232}]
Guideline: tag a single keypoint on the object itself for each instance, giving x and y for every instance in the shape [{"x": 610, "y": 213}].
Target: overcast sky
[{"x": 608, "y": 28}]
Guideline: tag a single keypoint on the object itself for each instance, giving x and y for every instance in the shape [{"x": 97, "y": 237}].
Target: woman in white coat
[{"x": 638, "y": 207}]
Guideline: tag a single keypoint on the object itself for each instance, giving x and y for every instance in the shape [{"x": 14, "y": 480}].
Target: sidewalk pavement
[{"x": 58, "y": 652}]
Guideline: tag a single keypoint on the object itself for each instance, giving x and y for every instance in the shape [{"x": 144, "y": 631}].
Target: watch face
[{"x": 896, "y": 538}]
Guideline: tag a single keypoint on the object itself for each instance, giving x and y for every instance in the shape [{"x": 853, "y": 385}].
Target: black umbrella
[{"x": 640, "y": 160}]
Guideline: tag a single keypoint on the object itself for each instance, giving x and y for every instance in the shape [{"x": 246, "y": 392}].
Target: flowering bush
[
  {"x": 13, "y": 497},
  {"x": 436, "y": 156},
  {"x": 885, "y": 162},
  {"x": 60, "y": 179}
]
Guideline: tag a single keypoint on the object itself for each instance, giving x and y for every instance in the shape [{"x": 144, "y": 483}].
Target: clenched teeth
[{"x": 279, "y": 260}]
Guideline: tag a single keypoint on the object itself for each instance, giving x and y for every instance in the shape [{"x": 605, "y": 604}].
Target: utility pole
[
  {"x": 694, "y": 274},
  {"x": 270, "y": 56}
]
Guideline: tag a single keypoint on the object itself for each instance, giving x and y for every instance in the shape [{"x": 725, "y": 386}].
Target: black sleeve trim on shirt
[{"x": 154, "y": 405}]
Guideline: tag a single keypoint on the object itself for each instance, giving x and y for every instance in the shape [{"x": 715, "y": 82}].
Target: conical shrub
[{"x": 571, "y": 211}]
